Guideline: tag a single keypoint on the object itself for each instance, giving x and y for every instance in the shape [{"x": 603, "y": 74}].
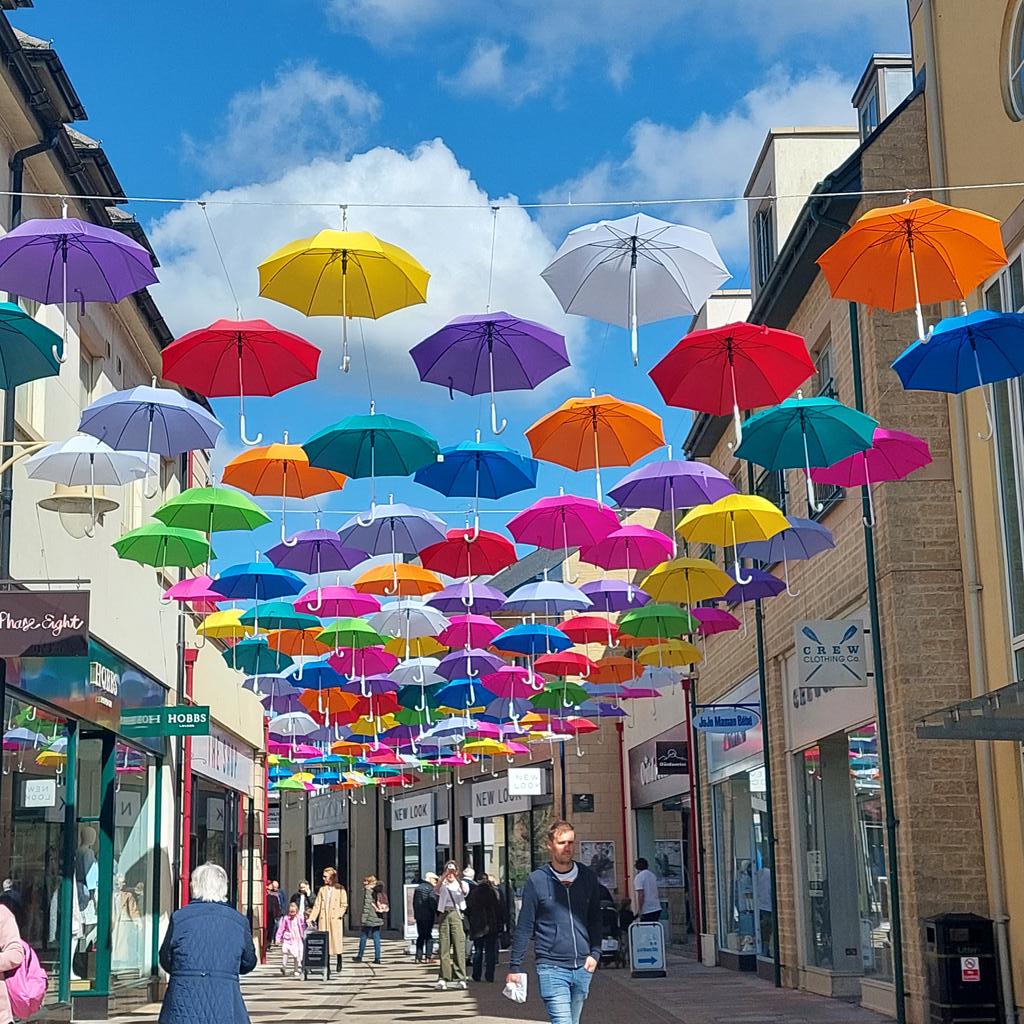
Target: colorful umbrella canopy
[
  {"x": 369, "y": 661},
  {"x": 462, "y": 695},
  {"x": 394, "y": 529},
  {"x": 614, "y": 595},
  {"x": 257, "y": 580},
  {"x": 715, "y": 620},
  {"x": 964, "y": 352},
  {"x": 687, "y": 580},
  {"x": 280, "y": 469},
  {"x": 469, "y": 663},
  {"x": 278, "y": 615},
  {"x": 806, "y": 432},
  {"x": 194, "y": 590},
  {"x": 657, "y": 621},
  {"x": 372, "y": 446},
  {"x": 589, "y": 629},
  {"x": 630, "y": 548},
  {"x": 614, "y": 668},
  {"x": 416, "y": 671},
  {"x": 895, "y": 257},
  {"x": 211, "y": 510},
  {"x": 803, "y": 539},
  {"x": 457, "y": 597},
  {"x": 635, "y": 270},
  {"x": 559, "y": 695},
  {"x": 225, "y": 625},
  {"x": 83, "y": 460},
  {"x": 343, "y": 273},
  {"x": 893, "y": 455},
  {"x": 469, "y": 631},
  {"x": 563, "y": 521},
  {"x": 351, "y": 633},
  {"x": 299, "y": 643},
  {"x": 760, "y": 585},
  {"x": 546, "y": 597},
  {"x": 564, "y": 663},
  {"x": 531, "y": 638},
  {"x": 414, "y": 647},
  {"x": 469, "y": 554},
  {"x": 408, "y": 619},
  {"x": 161, "y": 546},
  {"x": 490, "y": 352},
  {"x": 297, "y": 723},
  {"x": 313, "y": 552},
  {"x": 254, "y": 656},
  {"x": 400, "y": 579},
  {"x": 587, "y": 433},
  {"x": 28, "y": 350},
  {"x": 512, "y": 682},
  {"x": 736, "y": 366},
  {"x": 731, "y": 520},
  {"x": 240, "y": 357},
  {"x": 670, "y": 654},
  {"x": 335, "y": 601}
]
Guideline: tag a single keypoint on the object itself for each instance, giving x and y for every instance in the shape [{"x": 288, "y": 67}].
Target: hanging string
[
  {"x": 490, "y": 269},
  {"x": 366, "y": 362},
  {"x": 223, "y": 264}
]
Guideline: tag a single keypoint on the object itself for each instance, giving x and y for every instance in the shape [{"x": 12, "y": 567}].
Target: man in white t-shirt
[{"x": 645, "y": 889}]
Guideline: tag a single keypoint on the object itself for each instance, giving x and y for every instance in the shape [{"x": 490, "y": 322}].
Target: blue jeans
[
  {"x": 564, "y": 991},
  {"x": 367, "y": 931}
]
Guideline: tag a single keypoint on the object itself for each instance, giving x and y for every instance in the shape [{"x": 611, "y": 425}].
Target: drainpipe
[
  {"x": 972, "y": 585},
  {"x": 622, "y": 786}
]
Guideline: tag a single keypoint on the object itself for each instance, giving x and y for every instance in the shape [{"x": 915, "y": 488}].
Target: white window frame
[{"x": 1015, "y": 62}]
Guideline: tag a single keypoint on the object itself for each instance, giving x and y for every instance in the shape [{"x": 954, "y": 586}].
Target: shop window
[
  {"x": 32, "y": 830},
  {"x": 764, "y": 243},
  {"x": 29, "y": 407},
  {"x": 1015, "y": 63}
]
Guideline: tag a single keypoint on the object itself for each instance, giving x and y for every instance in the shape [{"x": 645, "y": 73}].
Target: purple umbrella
[
  {"x": 483, "y": 600},
  {"x": 762, "y": 584},
  {"x": 313, "y": 552},
  {"x": 715, "y": 620},
  {"x": 47, "y": 260},
  {"x": 669, "y": 485},
  {"x": 393, "y": 529},
  {"x": 372, "y": 686},
  {"x": 490, "y": 352},
  {"x": 804, "y": 539},
  {"x": 469, "y": 664},
  {"x": 614, "y": 595}
]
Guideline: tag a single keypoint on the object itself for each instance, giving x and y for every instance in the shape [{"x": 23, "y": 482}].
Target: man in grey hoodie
[{"x": 561, "y": 913}]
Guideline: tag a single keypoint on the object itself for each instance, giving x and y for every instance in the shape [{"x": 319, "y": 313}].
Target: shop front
[
  {"x": 327, "y": 817},
  {"x": 659, "y": 781},
  {"x": 417, "y": 840},
  {"x": 222, "y": 785},
  {"x": 80, "y": 808},
  {"x": 840, "y": 867},
  {"x": 743, "y": 882}
]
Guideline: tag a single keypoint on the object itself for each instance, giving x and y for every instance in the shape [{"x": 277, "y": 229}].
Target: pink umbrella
[
  {"x": 469, "y": 631},
  {"x": 635, "y": 692},
  {"x": 629, "y": 548},
  {"x": 195, "y": 588},
  {"x": 370, "y": 661},
  {"x": 383, "y": 754},
  {"x": 517, "y": 748},
  {"x": 486, "y": 730},
  {"x": 512, "y": 682},
  {"x": 293, "y": 750},
  {"x": 715, "y": 620},
  {"x": 337, "y": 602},
  {"x": 893, "y": 455},
  {"x": 563, "y": 521}
]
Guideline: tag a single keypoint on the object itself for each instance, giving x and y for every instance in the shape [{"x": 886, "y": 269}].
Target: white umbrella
[
  {"x": 411, "y": 619},
  {"x": 635, "y": 271},
  {"x": 292, "y": 724}
]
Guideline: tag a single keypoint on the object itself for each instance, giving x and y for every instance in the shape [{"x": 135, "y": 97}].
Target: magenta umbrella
[
  {"x": 714, "y": 620},
  {"x": 337, "y": 602},
  {"x": 512, "y": 682},
  {"x": 469, "y": 631},
  {"x": 893, "y": 455},
  {"x": 369, "y": 661},
  {"x": 629, "y": 548}
]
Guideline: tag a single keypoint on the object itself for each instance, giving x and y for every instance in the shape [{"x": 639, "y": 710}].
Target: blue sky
[{"x": 450, "y": 101}]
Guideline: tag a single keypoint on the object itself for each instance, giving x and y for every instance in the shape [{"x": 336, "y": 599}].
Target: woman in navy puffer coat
[{"x": 207, "y": 946}]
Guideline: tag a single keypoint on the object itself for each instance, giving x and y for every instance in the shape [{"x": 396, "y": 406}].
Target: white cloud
[
  {"x": 550, "y": 41},
  {"x": 453, "y": 244},
  {"x": 304, "y": 112},
  {"x": 713, "y": 156}
]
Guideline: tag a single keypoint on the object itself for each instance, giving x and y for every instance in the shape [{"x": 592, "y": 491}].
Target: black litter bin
[{"x": 959, "y": 951}]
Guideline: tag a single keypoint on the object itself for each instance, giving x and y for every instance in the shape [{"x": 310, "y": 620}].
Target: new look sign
[
  {"x": 726, "y": 719},
  {"x": 412, "y": 811},
  {"x": 831, "y": 652}
]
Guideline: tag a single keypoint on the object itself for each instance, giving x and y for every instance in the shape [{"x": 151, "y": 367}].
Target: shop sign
[
  {"x": 219, "y": 758},
  {"x": 412, "y": 811},
  {"x": 731, "y": 752},
  {"x": 274, "y": 820},
  {"x": 647, "y": 949},
  {"x": 44, "y": 624},
  {"x": 672, "y": 758},
  {"x": 831, "y": 652},
  {"x": 525, "y": 782},
  {"x": 648, "y": 784},
  {"x": 492, "y": 798},
  {"x": 39, "y": 793},
  {"x": 174, "y": 720},
  {"x": 215, "y": 813},
  {"x": 327, "y": 813},
  {"x": 724, "y": 718}
]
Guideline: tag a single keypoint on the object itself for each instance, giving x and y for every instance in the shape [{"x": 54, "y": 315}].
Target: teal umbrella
[
  {"x": 278, "y": 615},
  {"x": 372, "y": 446},
  {"x": 805, "y": 432},
  {"x": 255, "y": 656},
  {"x": 28, "y": 350}
]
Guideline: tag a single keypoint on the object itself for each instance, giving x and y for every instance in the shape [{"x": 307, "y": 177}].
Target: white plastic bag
[{"x": 516, "y": 992}]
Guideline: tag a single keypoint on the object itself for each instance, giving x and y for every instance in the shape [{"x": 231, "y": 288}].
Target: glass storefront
[
  {"x": 844, "y": 872},
  {"x": 216, "y": 834}
]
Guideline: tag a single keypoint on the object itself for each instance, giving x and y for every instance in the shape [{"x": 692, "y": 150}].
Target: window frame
[
  {"x": 1014, "y": 66},
  {"x": 764, "y": 242}
]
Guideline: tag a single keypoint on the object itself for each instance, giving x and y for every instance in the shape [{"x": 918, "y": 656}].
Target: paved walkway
[{"x": 401, "y": 990}]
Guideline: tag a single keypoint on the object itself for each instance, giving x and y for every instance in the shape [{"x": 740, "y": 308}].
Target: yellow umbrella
[
  {"x": 685, "y": 580},
  {"x": 302, "y": 777},
  {"x": 417, "y": 647},
  {"x": 372, "y": 726},
  {"x": 343, "y": 273},
  {"x": 485, "y": 746},
  {"x": 48, "y": 757},
  {"x": 734, "y": 519},
  {"x": 671, "y": 654},
  {"x": 225, "y": 625}
]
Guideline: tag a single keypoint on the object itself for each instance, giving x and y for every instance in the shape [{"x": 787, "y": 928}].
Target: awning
[{"x": 998, "y": 715}]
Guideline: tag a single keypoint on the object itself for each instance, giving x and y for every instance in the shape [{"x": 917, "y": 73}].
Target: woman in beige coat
[
  {"x": 11, "y": 954},
  {"x": 328, "y": 912}
]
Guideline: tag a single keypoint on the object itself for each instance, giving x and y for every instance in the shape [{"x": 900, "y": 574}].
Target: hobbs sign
[
  {"x": 412, "y": 811},
  {"x": 830, "y": 652}
]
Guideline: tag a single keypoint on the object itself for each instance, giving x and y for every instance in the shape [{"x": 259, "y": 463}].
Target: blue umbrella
[
  {"x": 804, "y": 539},
  {"x": 393, "y": 529},
  {"x": 532, "y": 638},
  {"x": 462, "y": 693},
  {"x": 318, "y": 675},
  {"x": 258, "y": 580},
  {"x": 270, "y": 685},
  {"x": 476, "y": 469},
  {"x": 964, "y": 352},
  {"x": 506, "y": 709}
]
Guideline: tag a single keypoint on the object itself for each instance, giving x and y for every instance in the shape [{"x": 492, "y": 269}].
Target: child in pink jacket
[{"x": 291, "y": 931}]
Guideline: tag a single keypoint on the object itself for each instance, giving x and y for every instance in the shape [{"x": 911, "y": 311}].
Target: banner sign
[
  {"x": 494, "y": 797},
  {"x": 726, "y": 718},
  {"x": 412, "y": 811},
  {"x": 44, "y": 623},
  {"x": 672, "y": 758},
  {"x": 831, "y": 652},
  {"x": 175, "y": 720}
]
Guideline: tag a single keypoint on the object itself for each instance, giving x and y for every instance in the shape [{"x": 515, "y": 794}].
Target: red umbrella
[
  {"x": 240, "y": 357},
  {"x": 590, "y": 629},
  {"x": 460, "y": 554},
  {"x": 566, "y": 663},
  {"x": 737, "y": 366}
]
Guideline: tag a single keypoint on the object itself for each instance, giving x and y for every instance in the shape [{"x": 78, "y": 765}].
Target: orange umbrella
[
  {"x": 280, "y": 469},
  {"x": 297, "y": 641},
  {"x": 895, "y": 257},
  {"x": 331, "y": 703},
  {"x": 615, "y": 668},
  {"x": 400, "y": 579},
  {"x": 587, "y": 433},
  {"x": 348, "y": 748}
]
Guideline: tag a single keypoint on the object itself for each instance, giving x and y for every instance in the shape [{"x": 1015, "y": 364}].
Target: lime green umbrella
[
  {"x": 658, "y": 621},
  {"x": 355, "y": 633},
  {"x": 212, "y": 509},
  {"x": 560, "y": 695},
  {"x": 159, "y": 545}
]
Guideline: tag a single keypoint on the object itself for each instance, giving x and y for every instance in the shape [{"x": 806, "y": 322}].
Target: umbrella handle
[
  {"x": 393, "y": 589},
  {"x": 315, "y": 606},
  {"x": 785, "y": 567},
  {"x": 495, "y": 429},
  {"x": 373, "y": 516},
  {"x": 459, "y": 781},
  {"x": 472, "y": 538},
  {"x": 737, "y": 422},
  {"x": 200, "y": 646},
  {"x": 579, "y": 750},
  {"x": 62, "y": 355},
  {"x": 467, "y": 599},
  {"x": 737, "y": 569},
  {"x": 62, "y": 359},
  {"x": 869, "y": 519},
  {"x": 812, "y": 501},
  {"x": 988, "y": 435},
  {"x": 346, "y": 362},
  {"x": 284, "y": 512},
  {"x": 249, "y": 443},
  {"x": 90, "y": 530},
  {"x": 565, "y": 544}
]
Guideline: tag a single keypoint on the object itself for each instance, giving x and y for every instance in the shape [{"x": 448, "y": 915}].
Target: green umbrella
[
  {"x": 658, "y": 621},
  {"x": 212, "y": 509},
  {"x": 560, "y": 695},
  {"x": 372, "y": 446},
  {"x": 288, "y": 784},
  {"x": 28, "y": 350},
  {"x": 355, "y": 633},
  {"x": 278, "y": 615},
  {"x": 254, "y": 656},
  {"x": 159, "y": 545}
]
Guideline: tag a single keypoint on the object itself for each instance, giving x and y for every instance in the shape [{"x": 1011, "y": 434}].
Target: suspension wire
[
  {"x": 366, "y": 362},
  {"x": 490, "y": 268},
  {"x": 223, "y": 264}
]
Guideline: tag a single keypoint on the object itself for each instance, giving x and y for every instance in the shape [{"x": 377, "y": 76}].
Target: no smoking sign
[{"x": 970, "y": 968}]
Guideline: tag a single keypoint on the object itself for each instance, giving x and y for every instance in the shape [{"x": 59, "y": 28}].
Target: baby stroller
[{"x": 611, "y": 935}]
